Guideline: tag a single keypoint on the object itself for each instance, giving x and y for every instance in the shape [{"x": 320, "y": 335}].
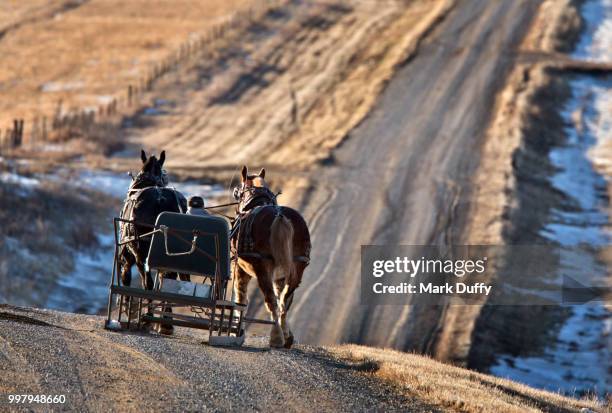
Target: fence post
[
  {"x": 8, "y": 138},
  {"x": 44, "y": 129},
  {"x": 15, "y": 137},
  {"x": 34, "y": 131}
]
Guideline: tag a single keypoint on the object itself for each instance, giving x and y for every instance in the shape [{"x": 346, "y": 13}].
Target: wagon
[{"x": 184, "y": 244}]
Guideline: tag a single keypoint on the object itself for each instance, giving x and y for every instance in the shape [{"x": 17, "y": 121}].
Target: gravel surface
[{"x": 48, "y": 352}]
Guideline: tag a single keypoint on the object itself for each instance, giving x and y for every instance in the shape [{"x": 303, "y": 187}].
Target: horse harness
[
  {"x": 253, "y": 201},
  {"x": 144, "y": 181}
]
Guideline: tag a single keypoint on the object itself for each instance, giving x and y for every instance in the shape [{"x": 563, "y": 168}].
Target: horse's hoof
[
  {"x": 166, "y": 330},
  {"x": 277, "y": 344},
  {"x": 276, "y": 337},
  {"x": 289, "y": 341}
]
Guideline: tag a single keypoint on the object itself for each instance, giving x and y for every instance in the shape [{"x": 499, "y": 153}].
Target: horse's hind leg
[
  {"x": 264, "y": 279},
  {"x": 147, "y": 284},
  {"x": 126, "y": 261},
  {"x": 167, "y": 329},
  {"x": 281, "y": 289},
  {"x": 284, "y": 290},
  {"x": 241, "y": 286},
  {"x": 145, "y": 276}
]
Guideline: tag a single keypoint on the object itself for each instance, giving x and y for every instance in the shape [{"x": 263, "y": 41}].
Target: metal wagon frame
[{"x": 224, "y": 319}]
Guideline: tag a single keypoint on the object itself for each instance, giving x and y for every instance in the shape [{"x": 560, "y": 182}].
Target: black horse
[{"x": 146, "y": 198}]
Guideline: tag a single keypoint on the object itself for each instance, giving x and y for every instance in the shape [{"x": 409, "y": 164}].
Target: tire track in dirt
[
  {"x": 99, "y": 373},
  {"x": 305, "y": 295},
  {"x": 323, "y": 207},
  {"x": 424, "y": 133},
  {"x": 14, "y": 366},
  {"x": 116, "y": 377}
]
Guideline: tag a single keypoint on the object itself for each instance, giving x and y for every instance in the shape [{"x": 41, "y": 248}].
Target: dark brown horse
[
  {"x": 272, "y": 244},
  {"x": 146, "y": 198}
]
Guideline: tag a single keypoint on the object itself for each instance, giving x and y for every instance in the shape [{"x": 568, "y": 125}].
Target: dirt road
[
  {"x": 402, "y": 176},
  {"x": 45, "y": 352},
  {"x": 54, "y": 353}
]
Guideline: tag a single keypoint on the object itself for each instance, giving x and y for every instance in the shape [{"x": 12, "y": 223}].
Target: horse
[
  {"x": 272, "y": 244},
  {"x": 146, "y": 198}
]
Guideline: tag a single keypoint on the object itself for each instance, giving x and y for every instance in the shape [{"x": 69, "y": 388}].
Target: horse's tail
[{"x": 281, "y": 244}]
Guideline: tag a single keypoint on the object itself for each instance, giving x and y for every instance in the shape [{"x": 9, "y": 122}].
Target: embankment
[
  {"x": 54, "y": 353},
  {"x": 525, "y": 192}
]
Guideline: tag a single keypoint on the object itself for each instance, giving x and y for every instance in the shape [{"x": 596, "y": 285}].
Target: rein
[{"x": 222, "y": 205}]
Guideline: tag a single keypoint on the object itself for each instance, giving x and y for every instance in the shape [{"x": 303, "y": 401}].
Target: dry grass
[
  {"x": 455, "y": 389},
  {"x": 291, "y": 89},
  {"x": 41, "y": 229},
  {"x": 15, "y": 12},
  {"x": 89, "y": 53},
  {"x": 288, "y": 89},
  {"x": 340, "y": 97}
]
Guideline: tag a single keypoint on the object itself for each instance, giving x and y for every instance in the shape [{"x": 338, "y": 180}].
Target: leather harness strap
[
  {"x": 242, "y": 233},
  {"x": 297, "y": 258}
]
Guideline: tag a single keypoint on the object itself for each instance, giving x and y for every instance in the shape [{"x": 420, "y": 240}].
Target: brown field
[
  {"x": 15, "y": 12},
  {"x": 85, "y": 54},
  {"x": 285, "y": 89},
  {"x": 291, "y": 89}
]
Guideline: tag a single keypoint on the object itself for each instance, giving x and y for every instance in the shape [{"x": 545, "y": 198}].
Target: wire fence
[{"x": 105, "y": 120}]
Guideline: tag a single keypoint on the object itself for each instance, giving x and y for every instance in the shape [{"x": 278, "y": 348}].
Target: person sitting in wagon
[{"x": 195, "y": 206}]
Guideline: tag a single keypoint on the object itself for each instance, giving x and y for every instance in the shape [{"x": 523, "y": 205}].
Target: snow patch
[
  {"x": 61, "y": 86},
  {"x": 85, "y": 289},
  {"x": 575, "y": 364},
  {"x": 596, "y": 41},
  {"x": 13, "y": 178},
  {"x": 116, "y": 185},
  {"x": 578, "y": 360}
]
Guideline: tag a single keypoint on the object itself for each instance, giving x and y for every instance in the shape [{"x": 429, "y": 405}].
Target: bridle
[
  {"x": 246, "y": 195},
  {"x": 146, "y": 179}
]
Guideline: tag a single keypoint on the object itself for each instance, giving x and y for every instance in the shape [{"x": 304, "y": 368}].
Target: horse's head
[
  {"x": 252, "y": 188},
  {"x": 257, "y": 181},
  {"x": 152, "y": 172}
]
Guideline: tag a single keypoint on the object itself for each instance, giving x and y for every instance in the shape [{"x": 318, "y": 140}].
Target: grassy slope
[
  {"x": 86, "y": 53},
  {"x": 292, "y": 88},
  {"x": 457, "y": 389},
  {"x": 37, "y": 242}
]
